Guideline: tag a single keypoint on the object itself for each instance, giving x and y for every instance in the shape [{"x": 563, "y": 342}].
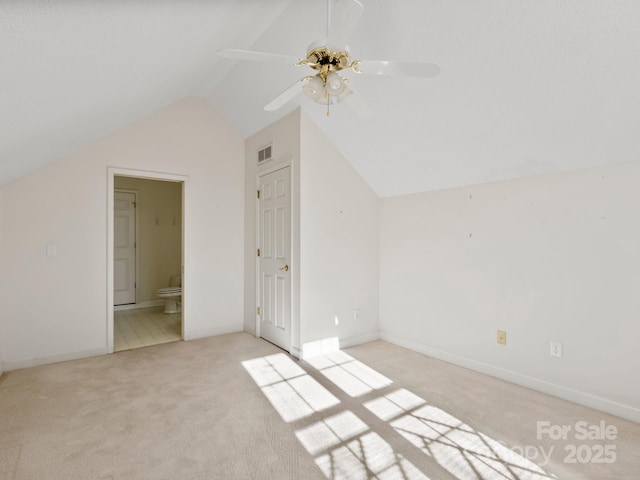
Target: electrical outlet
[
  {"x": 502, "y": 337},
  {"x": 555, "y": 349}
]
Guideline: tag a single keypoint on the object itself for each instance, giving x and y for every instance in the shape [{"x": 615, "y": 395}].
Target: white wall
[
  {"x": 159, "y": 237},
  {"x": 554, "y": 257},
  {"x": 339, "y": 245},
  {"x": 335, "y": 236},
  {"x": 56, "y": 307},
  {"x": 2, "y": 282}
]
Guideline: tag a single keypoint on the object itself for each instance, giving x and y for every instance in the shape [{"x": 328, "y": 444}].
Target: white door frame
[
  {"x": 127, "y": 172},
  {"x": 137, "y": 262},
  {"x": 292, "y": 261}
]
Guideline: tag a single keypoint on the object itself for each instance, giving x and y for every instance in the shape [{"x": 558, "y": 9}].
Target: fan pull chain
[{"x": 328, "y": 99}]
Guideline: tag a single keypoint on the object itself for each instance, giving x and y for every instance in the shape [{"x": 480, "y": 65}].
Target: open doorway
[{"x": 146, "y": 259}]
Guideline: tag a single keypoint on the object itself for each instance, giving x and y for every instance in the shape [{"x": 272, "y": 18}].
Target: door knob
[{"x": 285, "y": 268}]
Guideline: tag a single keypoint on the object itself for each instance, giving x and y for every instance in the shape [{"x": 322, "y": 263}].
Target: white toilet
[{"x": 172, "y": 295}]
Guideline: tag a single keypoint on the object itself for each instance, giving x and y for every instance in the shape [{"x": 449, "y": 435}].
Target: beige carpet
[{"x": 235, "y": 407}]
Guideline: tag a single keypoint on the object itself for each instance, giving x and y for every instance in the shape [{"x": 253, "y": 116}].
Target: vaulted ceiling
[{"x": 526, "y": 87}]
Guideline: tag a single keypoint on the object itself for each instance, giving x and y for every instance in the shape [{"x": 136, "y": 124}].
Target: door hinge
[
  {"x": 258, "y": 252},
  {"x": 258, "y": 193},
  {"x": 258, "y": 310},
  {"x": 134, "y": 204}
]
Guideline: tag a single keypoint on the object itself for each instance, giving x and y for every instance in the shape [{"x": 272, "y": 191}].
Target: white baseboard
[
  {"x": 134, "y": 306},
  {"x": 210, "y": 332},
  {"x": 62, "y": 357},
  {"x": 576, "y": 396},
  {"x": 359, "y": 340},
  {"x": 330, "y": 345},
  {"x": 250, "y": 328}
]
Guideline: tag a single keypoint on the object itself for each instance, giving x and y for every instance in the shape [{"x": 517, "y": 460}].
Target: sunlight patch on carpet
[
  {"x": 367, "y": 456},
  {"x": 456, "y": 446},
  {"x": 350, "y": 375},
  {"x": 345, "y": 447},
  {"x": 292, "y": 392}
]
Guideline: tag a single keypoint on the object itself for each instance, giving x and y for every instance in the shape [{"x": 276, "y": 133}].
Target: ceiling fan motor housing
[{"x": 325, "y": 61}]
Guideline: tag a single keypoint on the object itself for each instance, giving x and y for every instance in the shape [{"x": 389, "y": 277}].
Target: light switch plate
[{"x": 555, "y": 349}]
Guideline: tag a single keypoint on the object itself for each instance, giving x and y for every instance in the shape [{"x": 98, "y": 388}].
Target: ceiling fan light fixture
[
  {"x": 343, "y": 94},
  {"x": 314, "y": 88},
  {"x": 329, "y": 57},
  {"x": 335, "y": 84},
  {"x": 330, "y": 99}
]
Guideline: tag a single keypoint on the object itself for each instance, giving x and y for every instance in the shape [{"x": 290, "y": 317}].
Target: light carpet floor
[{"x": 236, "y": 407}]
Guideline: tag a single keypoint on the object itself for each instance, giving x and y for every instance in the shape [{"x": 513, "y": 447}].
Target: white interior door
[
  {"x": 275, "y": 254},
  {"x": 124, "y": 248}
]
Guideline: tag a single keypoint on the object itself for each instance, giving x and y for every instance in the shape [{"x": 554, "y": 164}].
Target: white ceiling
[{"x": 526, "y": 87}]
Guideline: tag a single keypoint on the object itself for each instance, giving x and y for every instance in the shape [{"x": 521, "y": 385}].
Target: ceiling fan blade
[
  {"x": 235, "y": 54},
  {"x": 358, "y": 104},
  {"x": 383, "y": 67},
  {"x": 285, "y": 96},
  {"x": 344, "y": 20}
]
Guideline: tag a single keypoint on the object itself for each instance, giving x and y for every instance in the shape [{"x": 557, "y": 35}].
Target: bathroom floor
[{"x": 143, "y": 327}]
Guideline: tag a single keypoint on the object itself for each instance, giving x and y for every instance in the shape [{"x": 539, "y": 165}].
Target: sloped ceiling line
[{"x": 526, "y": 87}]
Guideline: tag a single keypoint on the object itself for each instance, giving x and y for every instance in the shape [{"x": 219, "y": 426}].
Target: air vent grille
[{"x": 264, "y": 154}]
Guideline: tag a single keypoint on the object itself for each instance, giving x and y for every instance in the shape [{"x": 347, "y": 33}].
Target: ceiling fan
[{"x": 329, "y": 57}]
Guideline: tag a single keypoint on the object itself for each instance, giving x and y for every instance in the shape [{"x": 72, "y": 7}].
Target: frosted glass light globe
[{"x": 314, "y": 88}]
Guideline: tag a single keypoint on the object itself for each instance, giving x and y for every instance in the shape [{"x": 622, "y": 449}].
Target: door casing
[
  {"x": 112, "y": 172},
  {"x": 293, "y": 267},
  {"x": 278, "y": 257}
]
